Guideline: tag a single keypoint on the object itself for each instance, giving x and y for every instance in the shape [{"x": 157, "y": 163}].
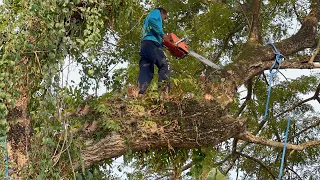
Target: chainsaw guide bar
[{"x": 178, "y": 48}]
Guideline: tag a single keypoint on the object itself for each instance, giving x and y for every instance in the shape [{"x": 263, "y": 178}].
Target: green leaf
[
  {"x": 215, "y": 174},
  {"x": 90, "y": 72}
]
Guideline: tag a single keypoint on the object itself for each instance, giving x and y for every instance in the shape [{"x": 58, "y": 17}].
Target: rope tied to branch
[{"x": 273, "y": 71}]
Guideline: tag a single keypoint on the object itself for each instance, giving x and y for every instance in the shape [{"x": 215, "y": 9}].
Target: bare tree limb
[
  {"x": 314, "y": 97},
  {"x": 291, "y": 169},
  {"x": 317, "y": 123},
  {"x": 296, "y": 12},
  {"x": 225, "y": 42},
  {"x": 247, "y": 136},
  {"x": 259, "y": 162},
  {"x": 294, "y": 106}
]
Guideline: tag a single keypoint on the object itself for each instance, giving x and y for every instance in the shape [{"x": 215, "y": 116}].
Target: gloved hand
[{"x": 165, "y": 38}]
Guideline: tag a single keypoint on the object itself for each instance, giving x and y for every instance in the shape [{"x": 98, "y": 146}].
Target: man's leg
[
  {"x": 145, "y": 74},
  {"x": 164, "y": 70}
]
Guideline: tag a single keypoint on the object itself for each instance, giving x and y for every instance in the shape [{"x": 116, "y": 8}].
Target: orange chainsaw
[{"x": 178, "y": 48}]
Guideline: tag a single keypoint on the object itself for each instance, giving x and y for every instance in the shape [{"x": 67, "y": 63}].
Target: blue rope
[
  {"x": 284, "y": 149},
  {"x": 6, "y": 149},
  {"x": 273, "y": 72},
  {"x": 278, "y": 61}
]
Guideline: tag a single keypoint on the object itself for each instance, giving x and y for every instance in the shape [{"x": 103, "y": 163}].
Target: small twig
[
  {"x": 294, "y": 173},
  {"x": 283, "y": 75},
  {"x": 230, "y": 166},
  {"x": 259, "y": 162},
  {"x": 184, "y": 168},
  {"x": 64, "y": 142},
  {"x": 265, "y": 78},
  {"x": 225, "y": 42},
  {"x": 55, "y": 151},
  {"x": 244, "y": 14},
  {"x": 314, "y": 97},
  {"x": 233, "y": 154},
  {"x": 134, "y": 25},
  {"x": 74, "y": 174},
  {"x": 296, "y": 12},
  {"x": 37, "y": 58},
  {"x": 316, "y": 124},
  {"x": 34, "y": 52}
]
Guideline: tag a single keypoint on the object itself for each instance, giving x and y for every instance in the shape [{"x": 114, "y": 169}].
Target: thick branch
[
  {"x": 251, "y": 61},
  {"x": 247, "y": 136},
  {"x": 200, "y": 125},
  {"x": 255, "y": 31}
]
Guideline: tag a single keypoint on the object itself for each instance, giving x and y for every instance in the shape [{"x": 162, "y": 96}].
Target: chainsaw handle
[{"x": 180, "y": 40}]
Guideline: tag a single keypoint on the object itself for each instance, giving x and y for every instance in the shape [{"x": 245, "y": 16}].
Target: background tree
[{"x": 55, "y": 131}]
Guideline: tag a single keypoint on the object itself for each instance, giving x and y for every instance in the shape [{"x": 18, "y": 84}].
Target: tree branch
[
  {"x": 314, "y": 97},
  {"x": 251, "y": 61},
  {"x": 248, "y": 98},
  {"x": 184, "y": 168},
  {"x": 316, "y": 124},
  {"x": 247, "y": 136},
  {"x": 216, "y": 57},
  {"x": 259, "y": 162},
  {"x": 291, "y": 169},
  {"x": 200, "y": 125},
  {"x": 294, "y": 106},
  {"x": 255, "y": 31}
]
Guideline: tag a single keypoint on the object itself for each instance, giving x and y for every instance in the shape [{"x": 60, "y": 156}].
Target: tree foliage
[{"x": 38, "y": 39}]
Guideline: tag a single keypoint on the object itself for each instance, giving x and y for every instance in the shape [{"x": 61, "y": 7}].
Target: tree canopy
[{"x": 212, "y": 123}]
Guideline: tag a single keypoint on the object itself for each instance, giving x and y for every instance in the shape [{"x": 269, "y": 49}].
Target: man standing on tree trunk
[{"x": 151, "y": 52}]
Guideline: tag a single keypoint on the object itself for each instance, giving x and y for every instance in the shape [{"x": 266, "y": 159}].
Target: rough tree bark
[
  {"x": 192, "y": 125},
  {"x": 19, "y": 134}
]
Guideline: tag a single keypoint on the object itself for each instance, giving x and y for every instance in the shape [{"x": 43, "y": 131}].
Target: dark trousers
[{"x": 151, "y": 54}]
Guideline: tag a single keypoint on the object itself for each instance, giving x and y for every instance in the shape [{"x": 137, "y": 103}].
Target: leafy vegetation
[{"x": 40, "y": 38}]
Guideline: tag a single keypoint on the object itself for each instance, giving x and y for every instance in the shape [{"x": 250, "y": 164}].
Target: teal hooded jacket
[{"x": 152, "y": 27}]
